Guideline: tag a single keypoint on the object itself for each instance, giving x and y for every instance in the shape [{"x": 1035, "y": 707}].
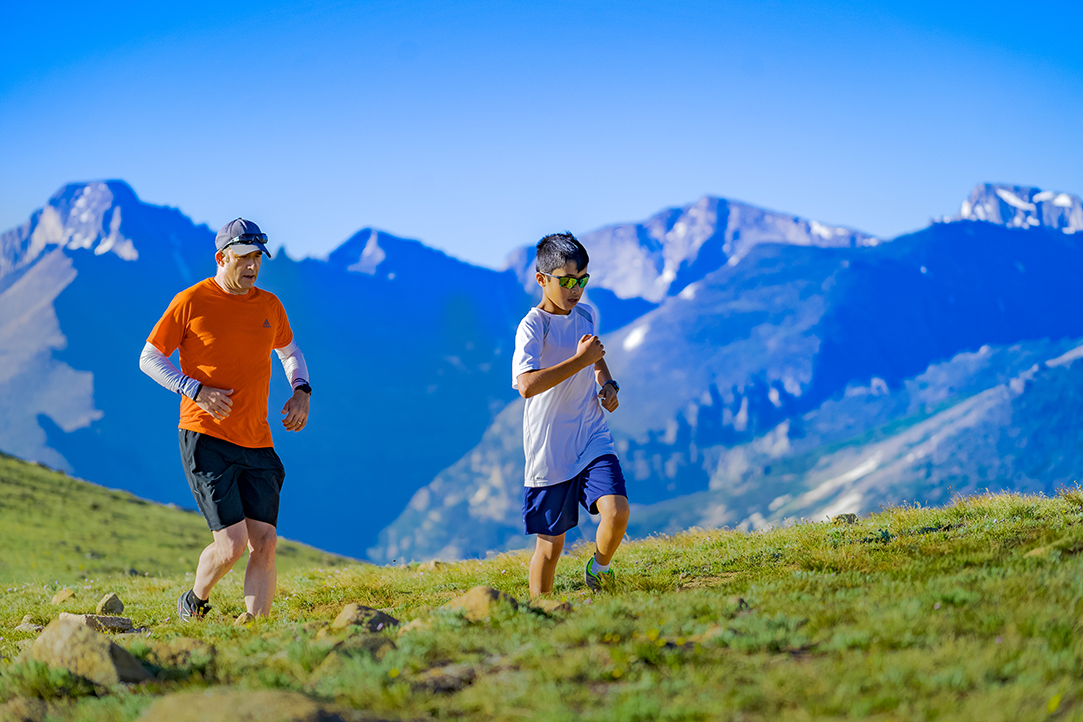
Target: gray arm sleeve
[
  {"x": 293, "y": 361},
  {"x": 157, "y": 365}
]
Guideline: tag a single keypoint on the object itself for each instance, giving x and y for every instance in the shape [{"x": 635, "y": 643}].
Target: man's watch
[
  {"x": 611, "y": 381},
  {"x": 303, "y": 387}
]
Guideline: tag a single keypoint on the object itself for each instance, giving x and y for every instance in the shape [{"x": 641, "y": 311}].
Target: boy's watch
[
  {"x": 303, "y": 387},
  {"x": 611, "y": 381}
]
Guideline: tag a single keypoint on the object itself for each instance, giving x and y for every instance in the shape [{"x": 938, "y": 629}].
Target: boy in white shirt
[{"x": 570, "y": 456}]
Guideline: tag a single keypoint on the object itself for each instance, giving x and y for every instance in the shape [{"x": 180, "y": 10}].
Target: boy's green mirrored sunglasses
[{"x": 569, "y": 281}]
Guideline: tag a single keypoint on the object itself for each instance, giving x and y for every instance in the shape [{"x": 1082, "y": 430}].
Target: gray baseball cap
[{"x": 243, "y": 237}]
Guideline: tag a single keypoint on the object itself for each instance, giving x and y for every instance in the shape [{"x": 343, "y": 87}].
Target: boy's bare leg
[
  {"x": 219, "y": 557},
  {"x": 614, "y": 513},
  {"x": 543, "y": 565},
  {"x": 261, "y": 576}
]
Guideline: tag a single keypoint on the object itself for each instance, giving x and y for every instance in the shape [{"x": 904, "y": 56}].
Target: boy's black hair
[{"x": 559, "y": 249}]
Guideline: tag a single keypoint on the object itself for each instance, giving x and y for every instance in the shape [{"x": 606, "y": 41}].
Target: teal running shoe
[{"x": 597, "y": 582}]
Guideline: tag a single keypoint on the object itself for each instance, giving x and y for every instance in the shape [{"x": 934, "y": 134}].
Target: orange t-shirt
[{"x": 225, "y": 342}]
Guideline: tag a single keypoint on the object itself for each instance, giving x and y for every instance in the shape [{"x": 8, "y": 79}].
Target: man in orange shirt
[{"x": 225, "y": 329}]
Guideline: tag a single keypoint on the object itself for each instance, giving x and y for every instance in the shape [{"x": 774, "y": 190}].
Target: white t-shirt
[{"x": 563, "y": 428}]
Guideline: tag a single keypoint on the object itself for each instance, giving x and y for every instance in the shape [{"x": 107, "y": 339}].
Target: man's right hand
[
  {"x": 590, "y": 349},
  {"x": 215, "y": 402}
]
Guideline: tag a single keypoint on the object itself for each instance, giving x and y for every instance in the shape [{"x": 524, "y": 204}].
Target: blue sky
[{"x": 477, "y": 127}]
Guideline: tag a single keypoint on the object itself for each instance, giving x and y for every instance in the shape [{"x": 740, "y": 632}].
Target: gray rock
[
  {"x": 33, "y": 628},
  {"x": 100, "y": 622},
  {"x": 358, "y": 615},
  {"x": 477, "y": 604},
  {"x": 227, "y": 705},
  {"x": 71, "y": 644},
  {"x": 444, "y": 680},
  {"x": 110, "y": 604},
  {"x": 551, "y": 606}
]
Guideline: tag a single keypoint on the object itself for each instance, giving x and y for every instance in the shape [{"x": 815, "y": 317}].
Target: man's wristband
[
  {"x": 616, "y": 386},
  {"x": 303, "y": 387}
]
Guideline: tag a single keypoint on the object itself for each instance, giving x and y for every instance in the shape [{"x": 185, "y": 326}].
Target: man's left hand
[
  {"x": 608, "y": 398},
  {"x": 296, "y": 411}
]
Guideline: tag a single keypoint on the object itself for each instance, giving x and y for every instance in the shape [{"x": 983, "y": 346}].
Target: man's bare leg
[
  {"x": 614, "y": 512},
  {"x": 261, "y": 577},
  {"x": 219, "y": 557},
  {"x": 543, "y": 565}
]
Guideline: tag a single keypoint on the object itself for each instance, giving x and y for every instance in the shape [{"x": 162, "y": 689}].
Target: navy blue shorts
[{"x": 553, "y": 510}]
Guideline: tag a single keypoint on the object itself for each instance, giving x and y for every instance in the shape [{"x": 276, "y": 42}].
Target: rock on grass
[
  {"x": 357, "y": 615},
  {"x": 227, "y": 705},
  {"x": 101, "y": 623},
  {"x": 477, "y": 604},
  {"x": 110, "y": 604},
  {"x": 63, "y": 595},
  {"x": 445, "y": 680},
  {"x": 72, "y": 645},
  {"x": 551, "y": 606}
]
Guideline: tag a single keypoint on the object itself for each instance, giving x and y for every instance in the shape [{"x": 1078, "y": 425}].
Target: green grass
[
  {"x": 908, "y": 614},
  {"x": 55, "y": 529}
]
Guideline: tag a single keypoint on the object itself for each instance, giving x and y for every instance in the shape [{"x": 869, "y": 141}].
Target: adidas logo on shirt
[{"x": 266, "y": 323}]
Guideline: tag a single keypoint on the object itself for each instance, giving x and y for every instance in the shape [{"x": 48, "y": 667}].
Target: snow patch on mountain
[
  {"x": 1023, "y": 207},
  {"x": 1066, "y": 359},
  {"x": 863, "y": 469},
  {"x": 635, "y": 337},
  {"x": 371, "y": 257}
]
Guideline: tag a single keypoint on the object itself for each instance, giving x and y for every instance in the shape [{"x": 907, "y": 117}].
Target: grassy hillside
[
  {"x": 967, "y": 612},
  {"x": 57, "y": 529}
]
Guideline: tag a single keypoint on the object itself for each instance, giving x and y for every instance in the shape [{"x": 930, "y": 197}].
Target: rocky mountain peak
[
  {"x": 376, "y": 253},
  {"x": 1023, "y": 207},
  {"x": 660, "y": 256},
  {"x": 88, "y": 216},
  {"x": 78, "y": 216}
]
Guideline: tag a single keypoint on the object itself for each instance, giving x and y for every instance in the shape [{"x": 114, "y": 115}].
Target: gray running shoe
[
  {"x": 597, "y": 582},
  {"x": 189, "y": 608}
]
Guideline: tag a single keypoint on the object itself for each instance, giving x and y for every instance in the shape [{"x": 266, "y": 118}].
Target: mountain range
[
  {"x": 778, "y": 385},
  {"x": 772, "y": 367}
]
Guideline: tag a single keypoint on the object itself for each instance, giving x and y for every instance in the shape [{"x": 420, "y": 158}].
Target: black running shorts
[{"x": 231, "y": 483}]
